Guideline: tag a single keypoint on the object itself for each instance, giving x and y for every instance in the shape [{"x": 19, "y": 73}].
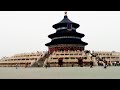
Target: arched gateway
[{"x": 67, "y": 41}]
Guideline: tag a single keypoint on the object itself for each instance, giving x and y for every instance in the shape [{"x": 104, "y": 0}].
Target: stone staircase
[
  {"x": 96, "y": 58},
  {"x": 40, "y": 61}
]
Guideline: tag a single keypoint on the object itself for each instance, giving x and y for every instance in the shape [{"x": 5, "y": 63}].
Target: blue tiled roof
[
  {"x": 66, "y": 41},
  {"x": 66, "y": 33},
  {"x": 64, "y": 22}
]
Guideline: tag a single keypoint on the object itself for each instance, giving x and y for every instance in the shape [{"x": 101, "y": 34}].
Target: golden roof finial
[{"x": 65, "y": 13}]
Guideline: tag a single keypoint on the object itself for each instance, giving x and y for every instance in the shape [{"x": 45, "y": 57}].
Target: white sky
[{"x": 27, "y": 31}]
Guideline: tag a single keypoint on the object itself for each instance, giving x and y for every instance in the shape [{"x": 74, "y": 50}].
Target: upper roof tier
[{"x": 64, "y": 23}]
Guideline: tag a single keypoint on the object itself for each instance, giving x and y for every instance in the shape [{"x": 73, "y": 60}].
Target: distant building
[
  {"x": 21, "y": 59},
  {"x": 109, "y": 56}
]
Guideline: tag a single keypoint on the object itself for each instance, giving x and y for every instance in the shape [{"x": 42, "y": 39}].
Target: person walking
[
  {"x": 16, "y": 66},
  {"x": 26, "y": 65},
  {"x": 38, "y": 64},
  {"x": 105, "y": 64},
  {"x": 46, "y": 66},
  {"x": 91, "y": 64}
]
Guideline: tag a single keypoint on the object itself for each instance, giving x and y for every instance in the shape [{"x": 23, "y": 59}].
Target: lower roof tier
[
  {"x": 66, "y": 33},
  {"x": 66, "y": 41}
]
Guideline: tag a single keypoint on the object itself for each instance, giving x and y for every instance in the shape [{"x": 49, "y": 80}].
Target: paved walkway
[{"x": 60, "y": 73}]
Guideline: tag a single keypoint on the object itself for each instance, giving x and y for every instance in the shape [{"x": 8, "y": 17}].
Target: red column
[
  {"x": 58, "y": 48},
  {"x": 55, "y": 49},
  {"x": 65, "y": 48}
]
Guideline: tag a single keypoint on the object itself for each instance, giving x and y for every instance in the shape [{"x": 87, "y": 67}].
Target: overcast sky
[{"x": 27, "y": 31}]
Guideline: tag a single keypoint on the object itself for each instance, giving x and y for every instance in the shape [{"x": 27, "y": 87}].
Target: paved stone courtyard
[{"x": 112, "y": 72}]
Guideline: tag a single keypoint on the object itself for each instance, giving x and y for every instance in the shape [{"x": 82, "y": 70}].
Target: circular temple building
[{"x": 65, "y": 39}]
